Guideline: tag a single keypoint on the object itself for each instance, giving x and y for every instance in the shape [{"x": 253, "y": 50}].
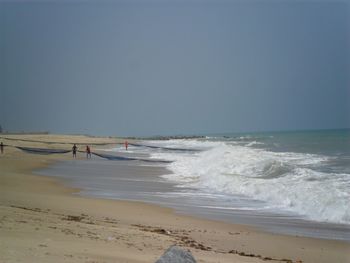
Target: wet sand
[
  {"x": 142, "y": 181},
  {"x": 43, "y": 220}
]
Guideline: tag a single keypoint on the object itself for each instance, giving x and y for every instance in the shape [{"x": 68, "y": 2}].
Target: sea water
[
  {"x": 306, "y": 174},
  {"x": 286, "y": 182}
]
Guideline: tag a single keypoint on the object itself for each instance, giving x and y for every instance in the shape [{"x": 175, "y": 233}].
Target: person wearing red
[{"x": 126, "y": 145}]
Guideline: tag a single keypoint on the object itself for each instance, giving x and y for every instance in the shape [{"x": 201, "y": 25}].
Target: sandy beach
[{"x": 43, "y": 220}]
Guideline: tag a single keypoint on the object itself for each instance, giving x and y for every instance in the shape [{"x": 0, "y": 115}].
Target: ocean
[
  {"x": 303, "y": 173},
  {"x": 286, "y": 182}
]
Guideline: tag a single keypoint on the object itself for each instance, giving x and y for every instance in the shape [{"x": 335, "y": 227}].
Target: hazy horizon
[
  {"x": 145, "y": 68},
  {"x": 189, "y": 135}
]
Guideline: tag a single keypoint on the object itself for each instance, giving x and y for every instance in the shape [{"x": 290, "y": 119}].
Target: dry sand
[{"x": 43, "y": 221}]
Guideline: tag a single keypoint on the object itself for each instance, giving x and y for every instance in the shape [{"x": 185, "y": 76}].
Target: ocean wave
[
  {"x": 284, "y": 180},
  {"x": 253, "y": 143}
]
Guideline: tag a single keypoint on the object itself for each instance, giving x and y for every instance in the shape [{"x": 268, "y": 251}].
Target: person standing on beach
[
  {"x": 126, "y": 145},
  {"x": 74, "y": 150},
  {"x": 88, "y": 152},
  {"x": 1, "y": 148}
]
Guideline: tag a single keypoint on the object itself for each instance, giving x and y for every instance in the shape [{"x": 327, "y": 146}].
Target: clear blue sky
[{"x": 174, "y": 67}]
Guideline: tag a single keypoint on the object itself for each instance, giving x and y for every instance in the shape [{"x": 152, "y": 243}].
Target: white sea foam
[
  {"x": 254, "y": 143},
  {"x": 284, "y": 180}
]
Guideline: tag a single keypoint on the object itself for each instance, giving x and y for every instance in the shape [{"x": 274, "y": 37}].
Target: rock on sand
[{"x": 175, "y": 254}]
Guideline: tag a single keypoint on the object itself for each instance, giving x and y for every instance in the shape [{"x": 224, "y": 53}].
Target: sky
[{"x": 142, "y": 68}]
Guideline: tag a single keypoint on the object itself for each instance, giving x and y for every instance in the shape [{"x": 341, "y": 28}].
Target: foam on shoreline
[
  {"x": 43, "y": 220},
  {"x": 136, "y": 181}
]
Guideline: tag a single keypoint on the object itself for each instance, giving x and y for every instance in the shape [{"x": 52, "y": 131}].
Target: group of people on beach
[
  {"x": 74, "y": 149},
  {"x": 87, "y": 150}
]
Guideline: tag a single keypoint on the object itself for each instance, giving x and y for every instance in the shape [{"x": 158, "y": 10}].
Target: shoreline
[
  {"x": 42, "y": 221},
  {"x": 136, "y": 181}
]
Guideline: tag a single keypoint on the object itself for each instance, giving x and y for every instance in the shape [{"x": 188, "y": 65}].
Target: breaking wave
[{"x": 288, "y": 181}]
